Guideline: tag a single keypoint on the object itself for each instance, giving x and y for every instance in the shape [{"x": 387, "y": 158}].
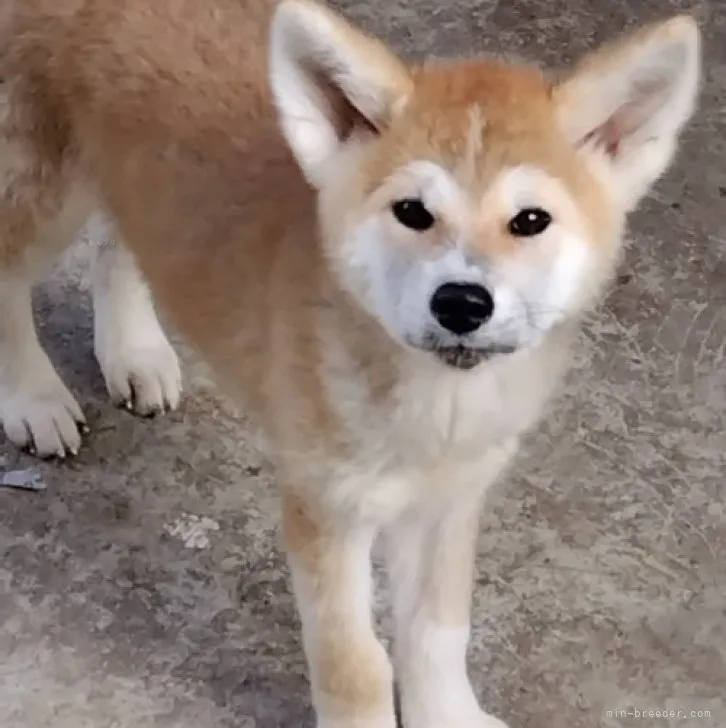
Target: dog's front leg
[
  {"x": 37, "y": 410},
  {"x": 431, "y": 563},
  {"x": 350, "y": 672}
]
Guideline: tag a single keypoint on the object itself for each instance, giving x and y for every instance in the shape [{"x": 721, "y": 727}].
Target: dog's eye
[
  {"x": 412, "y": 214},
  {"x": 530, "y": 221}
]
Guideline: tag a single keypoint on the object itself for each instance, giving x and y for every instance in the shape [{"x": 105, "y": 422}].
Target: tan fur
[
  {"x": 518, "y": 121},
  {"x": 348, "y": 672},
  {"x": 162, "y": 112}
]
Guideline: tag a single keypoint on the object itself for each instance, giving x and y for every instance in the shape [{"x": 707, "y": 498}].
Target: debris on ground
[
  {"x": 28, "y": 479},
  {"x": 192, "y": 530}
]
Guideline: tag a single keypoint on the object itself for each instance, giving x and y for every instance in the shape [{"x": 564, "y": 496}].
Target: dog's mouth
[{"x": 465, "y": 357}]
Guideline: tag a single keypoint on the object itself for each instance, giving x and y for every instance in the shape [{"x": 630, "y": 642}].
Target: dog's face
[
  {"x": 471, "y": 207},
  {"x": 468, "y": 227}
]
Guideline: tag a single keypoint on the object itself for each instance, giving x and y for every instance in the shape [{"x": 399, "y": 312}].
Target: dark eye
[
  {"x": 530, "y": 221},
  {"x": 412, "y": 214}
]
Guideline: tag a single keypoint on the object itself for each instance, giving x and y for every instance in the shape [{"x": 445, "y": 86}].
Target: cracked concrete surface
[{"x": 145, "y": 587}]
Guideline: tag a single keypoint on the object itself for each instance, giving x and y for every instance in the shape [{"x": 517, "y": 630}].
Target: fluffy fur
[{"x": 251, "y": 157}]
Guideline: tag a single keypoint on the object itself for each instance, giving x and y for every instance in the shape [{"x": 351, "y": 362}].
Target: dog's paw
[
  {"x": 43, "y": 419},
  {"x": 480, "y": 720},
  {"x": 143, "y": 376},
  {"x": 368, "y": 721},
  {"x": 470, "y": 719},
  {"x": 485, "y": 720}
]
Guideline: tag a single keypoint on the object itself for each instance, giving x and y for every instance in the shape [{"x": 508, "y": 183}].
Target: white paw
[
  {"x": 470, "y": 719},
  {"x": 481, "y": 720},
  {"x": 139, "y": 365},
  {"x": 380, "y": 721},
  {"x": 143, "y": 376},
  {"x": 488, "y": 721},
  {"x": 44, "y": 419}
]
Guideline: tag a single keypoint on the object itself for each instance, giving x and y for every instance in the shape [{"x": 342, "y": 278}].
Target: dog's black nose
[{"x": 462, "y": 307}]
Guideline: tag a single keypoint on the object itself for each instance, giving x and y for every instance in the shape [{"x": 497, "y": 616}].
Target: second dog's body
[{"x": 390, "y": 284}]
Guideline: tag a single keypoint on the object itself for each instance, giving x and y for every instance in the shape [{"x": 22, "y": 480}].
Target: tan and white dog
[{"x": 385, "y": 262}]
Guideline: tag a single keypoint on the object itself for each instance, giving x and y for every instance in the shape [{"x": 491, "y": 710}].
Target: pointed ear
[
  {"x": 328, "y": 81},
  {"x": 630, "y": 100}
]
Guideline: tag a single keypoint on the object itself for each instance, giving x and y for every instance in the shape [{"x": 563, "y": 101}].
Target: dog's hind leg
[{"x": 139, "y": 365}]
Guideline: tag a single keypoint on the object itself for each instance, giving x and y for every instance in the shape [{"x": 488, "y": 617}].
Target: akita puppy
[{"x": 385, "y": 262}]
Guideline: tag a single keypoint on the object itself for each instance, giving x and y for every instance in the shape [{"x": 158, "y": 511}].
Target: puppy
[{"x": 385, "y": 262}]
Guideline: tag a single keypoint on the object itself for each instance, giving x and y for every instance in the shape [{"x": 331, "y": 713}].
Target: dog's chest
[
  {"x": 444, "y": 444},
  {"x": 441, "y": 436},
  {"x": 459, "y": 415},
  {"x": 438, "y": 433}
]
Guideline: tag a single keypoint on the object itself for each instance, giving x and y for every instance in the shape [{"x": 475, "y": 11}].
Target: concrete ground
[{"x": 145, "y": 587}]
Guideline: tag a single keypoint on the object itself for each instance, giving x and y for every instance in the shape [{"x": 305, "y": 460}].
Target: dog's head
[{"x": 471, "y": 206}]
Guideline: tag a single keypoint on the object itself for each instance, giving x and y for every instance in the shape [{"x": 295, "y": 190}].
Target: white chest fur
[{"x": 444, "y": 431}]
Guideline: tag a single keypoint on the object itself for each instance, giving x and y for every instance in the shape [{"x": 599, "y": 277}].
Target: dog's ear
[
  {"x": 328, "y": 80},
  {"x": 630, "y": 100}
]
